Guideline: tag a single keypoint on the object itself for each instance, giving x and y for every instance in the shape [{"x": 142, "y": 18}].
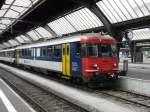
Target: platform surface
[
  {"x": 10, "y": 101},
  {"x": 139, "y": 71}
]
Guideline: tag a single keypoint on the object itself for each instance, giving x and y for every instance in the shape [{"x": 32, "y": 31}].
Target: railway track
[
  {"x": 121, "y": 96},
  {"x": 40, "y": 99},
  {"x": 139, "y": 100}
]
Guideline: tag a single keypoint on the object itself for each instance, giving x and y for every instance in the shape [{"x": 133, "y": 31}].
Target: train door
[{"x": 66, "y": 59}]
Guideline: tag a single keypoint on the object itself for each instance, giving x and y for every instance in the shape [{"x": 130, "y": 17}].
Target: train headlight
[
  {"x": 115, "y": 64},
  {"x": 95, "y": 65}
]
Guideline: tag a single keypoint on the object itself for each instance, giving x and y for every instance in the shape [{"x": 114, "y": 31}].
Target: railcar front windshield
[{"x": 98, "y": 50}]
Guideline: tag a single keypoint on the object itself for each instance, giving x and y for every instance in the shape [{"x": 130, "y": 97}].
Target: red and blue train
[{"x": 88, "y": 57}]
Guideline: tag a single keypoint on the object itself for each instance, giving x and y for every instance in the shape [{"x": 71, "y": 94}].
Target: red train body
[{"x": 102, "y": 65}]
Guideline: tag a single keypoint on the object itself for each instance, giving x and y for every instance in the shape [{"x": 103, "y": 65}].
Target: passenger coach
[{"x": 90, "y": 57}]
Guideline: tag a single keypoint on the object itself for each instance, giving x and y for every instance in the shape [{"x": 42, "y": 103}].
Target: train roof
[{"x": 61, "y": 40}]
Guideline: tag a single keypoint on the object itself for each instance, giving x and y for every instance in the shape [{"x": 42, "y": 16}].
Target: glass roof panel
[
  {"x": 43, "y": 32},
  {"x": 141, "y": 34},
  {"x": 11, "y": 42},
  {"x": 5, "y": 21},
  {"x": 11, "y": 14},
  {"x": 83, "y": 19},
  {"x": 122, "y": 10},
  {"x": 61, "y": 26},
  {"x": 18, "y": 9},
  {"x": 34, "y": 35},
  {"x": 2, "y": 46},
  {"x": 2, "y": 26},
  {"x": 6, "y": 44},
  {"x": 79, "y": 20},
  {"x": 20, "y": 39},
  {"x": 25, "y": 38},
  {"x": 2, "y": 12},
  {"x": 9, "y": 1},
  {"x": 5, "y": 7},
  {"x": 22, "y": 2},
  {"x": 16, "y": 42},
  {"x": 13, "y": 9}
]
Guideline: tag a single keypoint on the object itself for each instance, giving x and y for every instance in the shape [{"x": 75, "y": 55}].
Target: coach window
[
  {"x": 6, "y": 53},
  {"x": 78, "y": 49},
  {"x": 64, "y": 50},
  {"x": 32, "y": 52},
  {"x": 68, "y": 50},
  {"x": 57, "y": 50},
  {"x": 22, "y": 52},
  {"x": 9, "y": 53},
  {"x": 49, "y": 51},
  {"x": 105, "y": 50},
  {"x": 114, "y": 49},
  {"x": 38, "y": 52},
  {"x": 29, "y": 51},
  {"x": 25, "y": 52},
  {"x": 44, "y": 52},
  {"x": 12, "y": 54},
  {"x": 92, "y": 50}
]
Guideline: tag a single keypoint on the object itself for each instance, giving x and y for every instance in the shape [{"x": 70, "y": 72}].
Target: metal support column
[
  {"x": 132, "y": 52},
  {"x": 29, "y": 37},
  {"x": 50, "y": 30},
  {"x": 91, "y": 5},
  {"x": 107, "y": 24}
]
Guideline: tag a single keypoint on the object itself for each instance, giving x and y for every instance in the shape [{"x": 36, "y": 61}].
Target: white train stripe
[
  {"x": 8, "y": 59},
  {"x": 51, "y": 65},
  {"x": 7, "y": 103}
]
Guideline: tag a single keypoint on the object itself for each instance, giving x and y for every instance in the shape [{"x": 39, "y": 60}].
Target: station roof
[{"x": 23, "y": 21}]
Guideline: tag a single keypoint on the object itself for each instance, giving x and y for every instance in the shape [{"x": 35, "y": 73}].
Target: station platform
[
  {"x": 137, "y": 70},
  {"x": 11, "y": 101}
]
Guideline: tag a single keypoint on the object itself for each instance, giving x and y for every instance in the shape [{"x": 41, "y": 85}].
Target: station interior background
[{"x": 17, "y": 29}]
